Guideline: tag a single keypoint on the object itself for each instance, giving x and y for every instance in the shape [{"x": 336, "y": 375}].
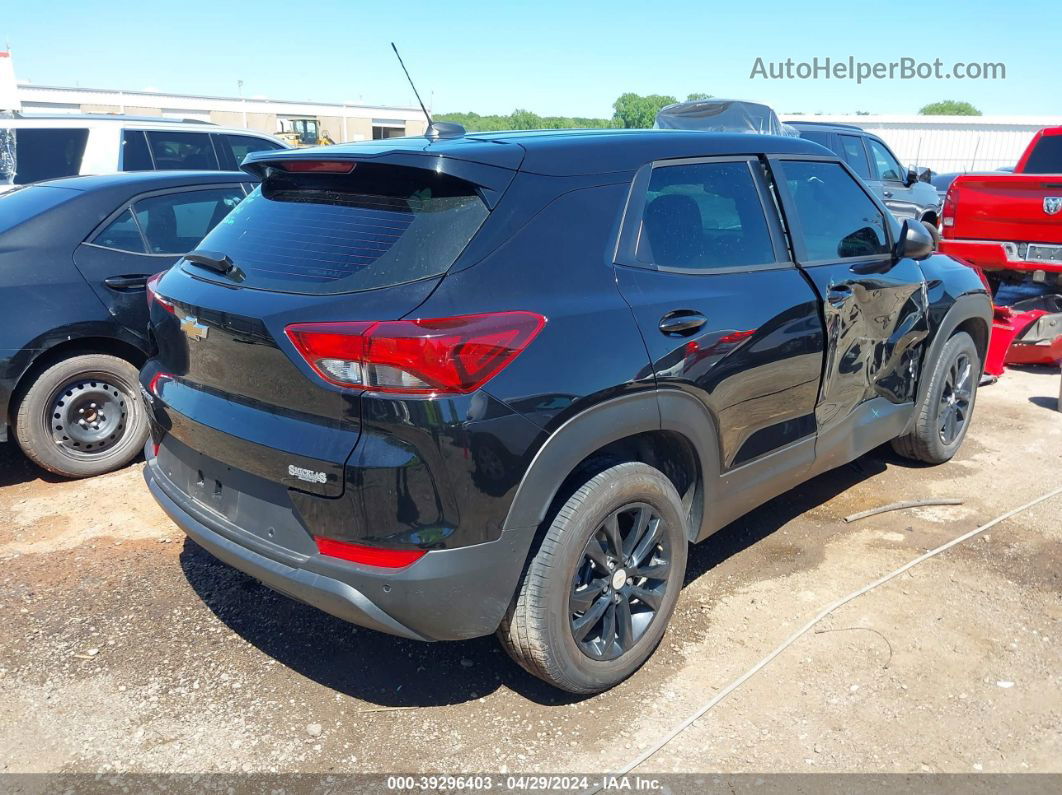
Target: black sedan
[{"x": 76, "y": 256}]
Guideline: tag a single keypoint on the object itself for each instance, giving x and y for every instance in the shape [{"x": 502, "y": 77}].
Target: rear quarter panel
[{"x": 43, "y": 302}]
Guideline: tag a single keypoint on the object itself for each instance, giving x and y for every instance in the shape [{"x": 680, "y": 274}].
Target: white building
[
  {"x": 342, "y": 122},
  {"x": 943, "y": 143},
  {"x": 950, "y": 143}
]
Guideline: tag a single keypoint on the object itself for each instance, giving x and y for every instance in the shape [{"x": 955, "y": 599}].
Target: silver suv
[{"x": 905, "y": 191}]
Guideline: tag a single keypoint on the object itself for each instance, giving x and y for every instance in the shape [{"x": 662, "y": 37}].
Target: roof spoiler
[{"x": 491, "y": 180}]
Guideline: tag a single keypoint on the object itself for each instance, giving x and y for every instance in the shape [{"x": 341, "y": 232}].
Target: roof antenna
[{"x": 443, "y": 129}]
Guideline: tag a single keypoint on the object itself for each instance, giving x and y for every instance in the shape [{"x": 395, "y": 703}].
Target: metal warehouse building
[
  {"x": 342, "y": 122},
  {"x": 943, "y": 143}
]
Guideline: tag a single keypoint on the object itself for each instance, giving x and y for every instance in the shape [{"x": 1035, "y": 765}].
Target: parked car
[
  {"x": 905, "y": 191},
  {"x": 66, "y": 145},
  {"x": 443, "y": 387},
  {"x": 75, "y": 256},
  {"x": 1010, "y": 225}
]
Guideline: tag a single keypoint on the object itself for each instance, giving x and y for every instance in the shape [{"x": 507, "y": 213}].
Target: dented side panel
[{"x": 876, "y": 326}]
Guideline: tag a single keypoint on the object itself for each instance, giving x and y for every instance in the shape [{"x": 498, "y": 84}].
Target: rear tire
[
  {"x": 597, "y": 595},
  {"x": 944, "y": 415},
  {"x": 83, "y": 416}
]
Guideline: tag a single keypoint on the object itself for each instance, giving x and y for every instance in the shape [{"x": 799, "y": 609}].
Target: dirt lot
[{"x": 124, "y": 647}]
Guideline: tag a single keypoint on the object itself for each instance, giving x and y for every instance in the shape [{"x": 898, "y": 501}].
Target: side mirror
[
  {"x": 924, "y": 174},
  {"x": 912, "y": 176},
  {"x": 915, "y": 241}
]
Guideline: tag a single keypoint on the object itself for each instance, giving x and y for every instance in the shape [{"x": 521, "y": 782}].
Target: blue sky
[{"x": 562, "y": 58}]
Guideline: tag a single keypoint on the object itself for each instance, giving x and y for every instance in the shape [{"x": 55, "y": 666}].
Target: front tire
[
  {"x": 597, "y": 595},
  {"x": 944, "y": 416},
  {"x": 83, "y": 416}
]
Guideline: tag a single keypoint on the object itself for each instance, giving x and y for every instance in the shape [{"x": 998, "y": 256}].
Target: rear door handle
[
  {"x": 682, "y": 322},
  {"x": 126, "y": 282}
]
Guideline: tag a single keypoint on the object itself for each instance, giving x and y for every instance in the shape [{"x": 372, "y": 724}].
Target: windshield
[{"x": 326, "y": 233}]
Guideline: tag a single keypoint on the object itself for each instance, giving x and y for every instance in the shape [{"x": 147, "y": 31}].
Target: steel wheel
[
  {"x": 620, "y": 582},
  {"x": 88, "y": 415},
  {"x": 955, "y": 398}
]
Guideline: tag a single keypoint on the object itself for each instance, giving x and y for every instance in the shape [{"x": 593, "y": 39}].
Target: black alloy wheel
[
  {"x": 955, "y": 398},
  {"x": 620, "y": 582}
]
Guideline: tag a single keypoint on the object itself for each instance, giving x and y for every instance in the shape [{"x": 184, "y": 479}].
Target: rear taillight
[
  {"x": 369, "y": 556},
  {"x": 951, "y": 199},
  {"x": 153, "y": 293},
  {"x": 436, "y": 356}
]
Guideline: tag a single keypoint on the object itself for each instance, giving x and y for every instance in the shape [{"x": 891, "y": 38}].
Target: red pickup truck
[{"x": 1010, "y": 227}]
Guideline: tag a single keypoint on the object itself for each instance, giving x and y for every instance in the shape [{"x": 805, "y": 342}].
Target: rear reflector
[
  {"x": 153, "y": 294},
  {"x": 438, "y": 356},
  {"x": 316, "y": 166},
  {"x": 369, "y": 556}
]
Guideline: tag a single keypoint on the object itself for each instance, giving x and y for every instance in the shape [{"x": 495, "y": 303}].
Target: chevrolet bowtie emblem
[{"x": 193, "y": 328}]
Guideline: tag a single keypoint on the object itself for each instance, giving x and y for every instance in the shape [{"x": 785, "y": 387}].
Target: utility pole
[{"x": 243, "y": 102}]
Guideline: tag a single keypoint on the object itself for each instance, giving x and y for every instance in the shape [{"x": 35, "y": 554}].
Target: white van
[{"x": 65, "y": 145}]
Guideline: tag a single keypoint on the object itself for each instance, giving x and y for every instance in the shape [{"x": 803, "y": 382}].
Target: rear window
[
  {"x": 816, "y": 136},
  {"x": 1046, "y": 156},
  {"x": 327, "y": 233},
  {"x": 48, "y": 154},
  {"x": 182, "y": 150}
]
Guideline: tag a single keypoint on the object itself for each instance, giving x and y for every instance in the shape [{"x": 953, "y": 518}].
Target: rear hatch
[
  {"x": 1006, "y": 207},
  {"x": 362, "y": 236}
]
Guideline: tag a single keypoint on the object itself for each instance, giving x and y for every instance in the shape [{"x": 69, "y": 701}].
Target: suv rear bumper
[{"x": 449, "y": 594}]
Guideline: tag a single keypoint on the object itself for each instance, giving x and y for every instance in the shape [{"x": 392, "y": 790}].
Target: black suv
[{"x": 446, "y": 387}]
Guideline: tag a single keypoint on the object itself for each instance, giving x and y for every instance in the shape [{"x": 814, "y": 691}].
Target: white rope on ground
[{"x": 726, "y": 691}]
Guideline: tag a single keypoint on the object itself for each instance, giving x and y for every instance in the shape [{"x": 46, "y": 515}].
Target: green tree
[
  {"x": 634, "y": 110},
  {"x": 695, "y": 97},
  {"x": 521, "y": 120},
  {"x": 949, "y": 107}
]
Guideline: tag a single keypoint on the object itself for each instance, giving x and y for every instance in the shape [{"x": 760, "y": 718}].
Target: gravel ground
[{"x": 126, "y": 648}]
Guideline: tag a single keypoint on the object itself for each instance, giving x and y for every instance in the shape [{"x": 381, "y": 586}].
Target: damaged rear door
[{"x": 873, "y": 304}]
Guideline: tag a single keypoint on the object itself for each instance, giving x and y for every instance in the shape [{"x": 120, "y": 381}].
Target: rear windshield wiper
[{"x": 217, "y": 262}]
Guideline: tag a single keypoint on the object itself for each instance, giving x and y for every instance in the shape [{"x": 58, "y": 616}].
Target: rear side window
[
  {"x": 243, "y": 145},
  {"x": 122, "y": 233},
  {"x": 327, "y": 233},
  {"x": 704, "y": 216},
  {"x": 175, "y": 222},
  {"x": 816, "y": 136},
  {"x": 48, "y": 154},
  {"x": 135, "y": 155},
  {"x": 855, "y": 155},
  {"x": 1046, "y": 156},
  {"x": 837, "y": 219},
  {"x": 182, "y": 150}
]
